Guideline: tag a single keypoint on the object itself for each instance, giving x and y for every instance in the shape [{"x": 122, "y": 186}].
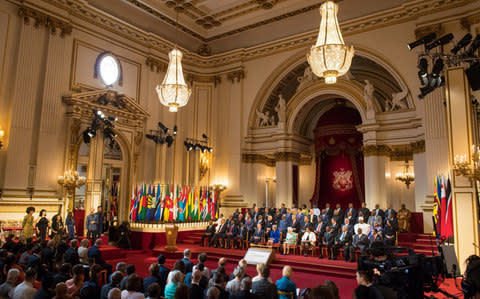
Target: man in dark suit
[
  {"x": 240, "y": 236},
  {"x": 344, "y": 239},
  {"x": 196, "y": 291},
  {"x": 99, "y": 216},
  {"x": 327, "y": 241},
  {"x": 359, "y": 241},
  {"x": 187, "y": 254},
  {"x": 329, "y": 211},
  {"x": 348, "y": 224},
  {"x": 263, "y": 287},
  {"x": 209, "y": 232},
  {"x": 306, "y": 224},
  {"x": 335, "y": 226},
  {"x": 244, "y": 293},
  {"x": 283, "y": 210},
  {"x": 258, "y": 235},
  {"x": 390, "y": 213},
  {"x": 320, "y": 229},
  {"x": 249, "y": 224},
  {"x": 351, "y": 213},
  {"x": 71, "y": 255},
  {"x": 220, "y": 234},
  {"x": 162, "y": 273},
  {"x": 338, "y": 213},
  {"x": 95, "y": 254},
  {"x": 295, "y": 224},
  {"x": 232, "y": 231},
  {"x": 365, "y": 211},
  {"x": 312, "y": 218},
  {"x": 379, "y": 212}
]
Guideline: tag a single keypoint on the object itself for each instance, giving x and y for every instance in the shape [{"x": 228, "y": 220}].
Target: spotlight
[
  {"x": 435, "y": 79},
  {"x": 91, "y": 133},
  {"x": 440, "y": 42},
  {"x": 112, "y": 118},
  {"x": 150, "y": 136},
  {"x": 175, "y": 130},
  {"x": 473, "y": 46},
  {"x": 205, "y": 136},
  {"x": 162, "y": 126},
  {"x": 86, "y": 137},
  {"x": 197, "y": 146},
  {"x": 424, "y": 91},
  {"x": 423, "y": 71},
  {"x": 99, "y": 112},
  {"x": 462, "y": 43},
  {"x": 169, "y": 140},
  {"x": 210, "y": 149},
  {"x": 422, "y": 41}
]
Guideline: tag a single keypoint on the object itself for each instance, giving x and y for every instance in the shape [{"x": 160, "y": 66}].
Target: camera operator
[
  {"x": 380, "y": 263},
  {"x": 471, "y": 279}
]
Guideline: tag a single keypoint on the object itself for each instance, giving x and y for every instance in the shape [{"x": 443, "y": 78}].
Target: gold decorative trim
[
  {"x": 204, "y": 79},
  {"x": 425, "y": 30},
  {"x": 270, "y": 160},
  {"x": 261, "y": 159},
  {"x": 236, "y": 75},
  {"x": 156, "y": 65},
  {"x": 376, "y": 150},
  {"x": 418, "y": 147},
  {"x": 53, "y": 24}
]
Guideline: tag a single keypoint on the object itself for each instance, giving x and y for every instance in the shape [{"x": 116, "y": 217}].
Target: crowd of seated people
[{"x": 329, "y": 229}]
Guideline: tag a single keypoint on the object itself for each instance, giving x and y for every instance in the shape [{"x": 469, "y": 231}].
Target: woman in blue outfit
[{"x": 286, "y": 288}]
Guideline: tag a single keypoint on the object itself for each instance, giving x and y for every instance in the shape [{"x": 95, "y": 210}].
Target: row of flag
[
  {"x": 442, "y": 208},
  {"x": 172, "y": 203}
]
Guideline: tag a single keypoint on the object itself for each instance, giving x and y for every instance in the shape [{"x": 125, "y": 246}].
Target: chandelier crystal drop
[
  {"x": 330, "y": 57},
  {"x": 174, "y": 92}
]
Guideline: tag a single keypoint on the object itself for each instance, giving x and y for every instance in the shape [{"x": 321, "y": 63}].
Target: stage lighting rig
[
  {"x": 462, "y": 53},
  {"x": 164, "y": 135},
  {"x": 101, "y": 122},
  {"x": 192, "y": 144}
]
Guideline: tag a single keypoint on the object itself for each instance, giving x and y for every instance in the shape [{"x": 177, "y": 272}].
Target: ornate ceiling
[{"x": 229, "y": 24}]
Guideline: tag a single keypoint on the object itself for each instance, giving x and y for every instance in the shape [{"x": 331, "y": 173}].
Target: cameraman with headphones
[{"x": 471, "y": 278}]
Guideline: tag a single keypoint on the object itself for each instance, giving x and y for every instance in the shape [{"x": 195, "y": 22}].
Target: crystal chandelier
[
  {"x": 329, "y": 57},
  {"x": 174, "y": 92},
  {"x": 406, "y": 177}
]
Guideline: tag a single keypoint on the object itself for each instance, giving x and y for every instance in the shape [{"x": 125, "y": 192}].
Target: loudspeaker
[{"x": 451, "y": 261}]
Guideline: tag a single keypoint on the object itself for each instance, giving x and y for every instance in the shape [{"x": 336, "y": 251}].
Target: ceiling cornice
[{"x": 86, "y": 13}]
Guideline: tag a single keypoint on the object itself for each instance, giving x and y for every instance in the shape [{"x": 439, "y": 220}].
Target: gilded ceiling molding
[
  {"x": 401, "y": 154},
  {"x": 418, "y": 147},
  {"x": 467, "y": 22},
  {"x": 426, "y": 30},
  {"x": 277, "y": 157},
  {"x": 156, "y": 65},
  {"x": 260, "y": 159},
  {"x": 376, "y": 150},
  {"x": 53, "y": 24},
  {"x": 236, "y": 75},
  {"x": 204, "y": 79}
]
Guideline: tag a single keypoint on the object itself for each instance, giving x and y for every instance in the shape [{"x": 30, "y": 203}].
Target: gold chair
[{"x": 288, "y": 294}]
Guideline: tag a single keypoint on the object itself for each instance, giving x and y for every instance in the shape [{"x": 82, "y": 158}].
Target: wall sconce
[
  {"x": 203, "y": 165},
  {"x": 462, "y": 167},
  {"x": 2, "y": 133},
  {"x": 71, "y": 180},
  {"x": 406, "y": 176}
]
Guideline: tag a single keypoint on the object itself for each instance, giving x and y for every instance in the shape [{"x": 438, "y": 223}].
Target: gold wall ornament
[
  {"x": 203, "y": 165},
  {"x": 376, "y": 150},
  {"x": 70, "y": 180},
  {"x": 463, "y": 167},
  {"x": 330, "y": 57},
  {"x": 406, "y": 177},
  {"x": 53, "y": 24}
]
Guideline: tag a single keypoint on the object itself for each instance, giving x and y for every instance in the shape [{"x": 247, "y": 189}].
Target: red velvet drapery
[{"x": 339, "y": 160}]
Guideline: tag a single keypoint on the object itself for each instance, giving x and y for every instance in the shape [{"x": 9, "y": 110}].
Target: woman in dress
[
  {"x": 42, "y": 225},
  {"x": 70, "y": 223},
  {"x": 57, "y": 228},
  {"x": 290, "y": 240},
  {"x": 27, "y": 225}
]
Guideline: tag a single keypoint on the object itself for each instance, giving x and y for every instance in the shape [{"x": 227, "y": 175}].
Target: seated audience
[
  {"x": 308, "y": 240},
  {"x": 117, "y": 277},
  {"x": 196, "y": 291},
  {"x": 343, "y": 240},
  {"x": 76, "y": 282},
  {"x": 8, "y": 287},
  {"x": 274, "y": 235},
  {"x": 264, "y": 287},
  {"x": 171, "y": 287},
  {"x": 244, "y": 292},
  {"x": 187, "y": 255},
  {"x": 25, "y": 290},
  {"x": 290, "y": 240},
  {"x": 233, "y": 285},
  {"x": 95, "y": 254},
  {"x": 258, "y": 235},
  {"x": 366, "y": 289},
  {"x": 115, "y": 293},
  {"x": 133, "y": 288},
  {"x": 83, "y": 252},
  {"x": 209, "y": 232},
  {"x": 153, "y": 291},
  {"x": 91, "y": 288}
]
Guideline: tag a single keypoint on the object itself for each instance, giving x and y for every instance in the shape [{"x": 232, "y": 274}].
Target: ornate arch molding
[{"x": 299, "y": 58}]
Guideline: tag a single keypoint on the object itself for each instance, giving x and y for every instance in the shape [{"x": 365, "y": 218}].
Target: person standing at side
[
  {"x": 91, "y": 225},
  {"x": 27, "y": 225},
  {"x": 42, "y": 225}
]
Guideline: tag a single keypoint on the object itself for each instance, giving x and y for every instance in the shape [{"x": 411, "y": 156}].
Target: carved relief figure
[
  {"x": 265, "y": 118},
  {"x": 308, "y": 76},
  {"x": 398, "y": 101},
  {"x": 281, "y": 109},
  {"x": 368, "y": 91}
]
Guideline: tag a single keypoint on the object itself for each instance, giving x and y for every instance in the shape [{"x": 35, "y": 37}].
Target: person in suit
[
  {"x": 375, "y": 236},
  {"x": 351, "y": 213},
  {"x": 71, "y": 255},
  {"x": 231, "y": 234},
  {"x": 153, "y": 278},
  {"x": 270, "y": 222},
  {"x": 379, "y": 212},
  {"x": 95, "y": 254},
  {"x": 334, "y": 226},
  {"x": 359, "y": 241},
  {"x": 327, "y": 241},
  {"x": 320, "y": 228},
  {"x": 162, "y": 273},
  {"x": 328, "y": 211},
  {"x": 196, "y": 291},
  {"x": 258, "y": 235},
  {"x": 306, "y": 224},
  {"x": 365, "y": 211},
  {"x": 209, "y": 232},
  {"x": 219, "y": 234},
  {"x": 244, "y": 293},
  {"x": 349, "y": 224},
  {"x": 288, "y": 217},
  {"x": 187, "y": 255},
  {"x": 286, "y": 285},
  {"x": 338, "y": 213},
  {"x": 283, "y": 225},
  {"x": 313, "y": 219},
  {"x": 263, "y": 287},
  {"x": 100, "y": 219},
  {"x": 308, "y": 240},
  {"x": 240, "y": 219},
  {"x": 344, "y": 239},
  {"x": 249, "y": 224},
  {"x": 240, "y": 236},
  {"x": 92, "y": 224},
  {"x": 260, "y": 221},
  {"x": 283, "y": 210},
  {"x": 295, "y": 224},
  {"x": 389, "y": 234},
  {"x": 390, "y": 213}
]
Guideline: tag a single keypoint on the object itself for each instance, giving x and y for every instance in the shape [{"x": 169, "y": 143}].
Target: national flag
[
  {"x": 443, "y": 201},
  {"x": 204, "y": 203},
  {"x": 196, "y": 205},
  {"x": 215, "y": 204},
  {"x": 166, "y": 211},
  {"x": 188, "y": 207},
  {"x": 133, "y": 209},
  {"x": 175, "y": 203},
  {"x": 171, "y": 204},
  {"x": 159, "y": 204},
  {"x": 140, "y": 204},
  {"x": 448, "y": 232},
  {"x": 182, "y": 203},
  {"x": 150, "y": 205},
  {"x": 436, "y": 205}
]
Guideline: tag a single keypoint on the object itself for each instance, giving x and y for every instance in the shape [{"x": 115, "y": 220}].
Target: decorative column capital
[
  {"x": 156, "y": 65},
  {"x": 376, "y": 150},
  {"x": 236, "y": 75},
  {"x": 53, "y": 24}
]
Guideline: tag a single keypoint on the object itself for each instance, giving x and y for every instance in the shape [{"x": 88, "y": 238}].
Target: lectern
[{"x": 172, "y": 232}]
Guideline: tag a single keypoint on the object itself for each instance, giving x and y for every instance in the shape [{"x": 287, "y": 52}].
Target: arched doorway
[{"x": 339, "y": 169}]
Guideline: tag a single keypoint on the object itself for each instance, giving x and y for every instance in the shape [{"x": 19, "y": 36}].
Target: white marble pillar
[
  {"x": 375, "y": 182},
  {"x": 94, "y": 184},
  {"x": 421, "y": 188},
  {"x": 284, "y": 183}
]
